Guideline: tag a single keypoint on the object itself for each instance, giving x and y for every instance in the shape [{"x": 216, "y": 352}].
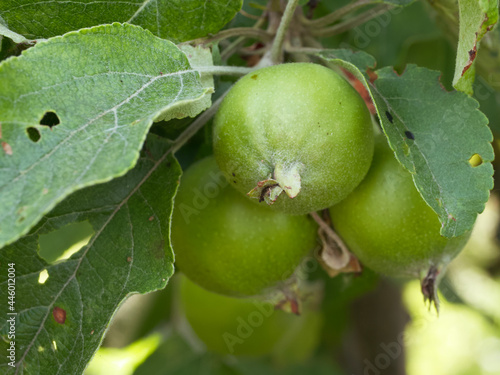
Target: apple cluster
[{"x": 289, "y": 140}]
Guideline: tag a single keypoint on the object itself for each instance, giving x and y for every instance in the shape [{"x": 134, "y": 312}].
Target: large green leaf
[
  {"x": 61, "y": 322},
  {"x": 477, "y": 17},
  {"x": 434, "y": 134},
  {"x": 178, "y": 20},
  {"x": 106, "y": 85}
]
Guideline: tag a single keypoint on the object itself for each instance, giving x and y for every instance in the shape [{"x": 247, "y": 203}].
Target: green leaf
[
  {"x": 4, "y": 31},
  {"x": 61, "y": 322},
  {"x": 477, "y": 17},
  {"x": 198, "y": 57},
  {"x": 362, "y": 60},
  {"x": 105, "y": 101},
  {"x": 178, "y": 20},
  {"x": 434, "y": 134}
]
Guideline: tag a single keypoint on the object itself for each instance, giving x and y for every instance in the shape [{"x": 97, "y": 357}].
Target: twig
[
  {"x": 248, "y": 32},
  {"x": 195, "y": 126},
  {"x": 304, "y": 50},
  {"x": 248, "y": 15},
  {"x": 352, "y": 22},
  {"x": 233, "y": 47},
  {"x": 334, "y": 16}
]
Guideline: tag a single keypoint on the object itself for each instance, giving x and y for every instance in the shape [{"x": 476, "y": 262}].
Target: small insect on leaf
[{"x": 409, "y": 135}]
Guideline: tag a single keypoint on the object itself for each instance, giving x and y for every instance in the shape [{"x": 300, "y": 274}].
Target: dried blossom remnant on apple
[{"x": 284, "y": 179}]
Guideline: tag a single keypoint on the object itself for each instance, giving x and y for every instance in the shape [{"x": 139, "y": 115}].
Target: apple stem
[
  {"x": 275, "y": 54},
  {"x": 225, "y": 70}
]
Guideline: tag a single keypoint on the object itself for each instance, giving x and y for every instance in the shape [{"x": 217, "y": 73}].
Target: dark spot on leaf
[
  {"x": 151, "y": 218},
  {"x": 50, "y": 119},
  {"x": 234, "y": 181},
  {"x": 389, "y": 116},
  {"x": 161, "y": 73},
  {"x": 234, "y": 175},
  {"x": 159, "y": 250},
  {"x": 472, "y": 57},
  {"x": 33, "y": 134},
  {"x": 21, "y": 219},
  {"x": 169, "y": 164},
  {"x": 59, "y": 315},
  {"x": 254, "y": 76},
  {"x": 121, "y": 81},
  {"x": 409, "y": 135}
]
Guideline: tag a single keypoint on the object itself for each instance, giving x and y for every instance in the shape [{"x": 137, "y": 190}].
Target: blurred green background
[{"x": 369, "y": 325}]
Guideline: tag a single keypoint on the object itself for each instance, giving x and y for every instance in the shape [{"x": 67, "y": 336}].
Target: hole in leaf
[
  {"x": 33, "y": 134},
  {"x": 50, "y": 119},
  {"x": 43, "y": 276},
  {"x": 64, "y": 242},
  {"x": 476, "y": 160}
]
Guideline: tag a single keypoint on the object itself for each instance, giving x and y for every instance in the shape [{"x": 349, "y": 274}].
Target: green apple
[
  {"x": 387, "y": 224},
  {"x": 296, "y": 136},
  {"x": 227, "y": 244},
  {"x": 249, "y": 327}
]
